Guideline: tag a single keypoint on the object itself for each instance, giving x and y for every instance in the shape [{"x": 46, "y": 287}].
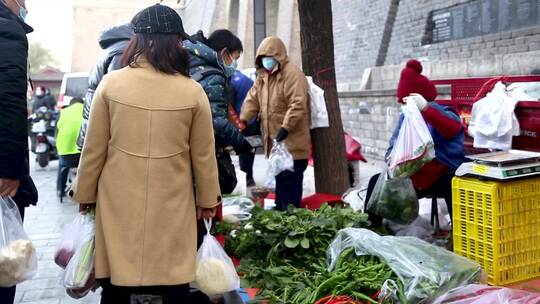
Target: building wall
[
  {"x": 360, "y": 25},
  {"x": 410, "y": 26},
  {"x": 91, "y": 17}
]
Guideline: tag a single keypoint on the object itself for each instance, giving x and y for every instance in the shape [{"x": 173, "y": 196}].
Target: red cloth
[
  {"x": 352, "y": 147},
  {"x": 315, "y": 201},
  {"x": 428, "y": 175},
  {"x": 412, "y": 81},
  {"x": 446, "y": 126}
]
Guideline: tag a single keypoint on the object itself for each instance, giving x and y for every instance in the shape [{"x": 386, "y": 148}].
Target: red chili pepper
[{"x": 337, "y": 300}]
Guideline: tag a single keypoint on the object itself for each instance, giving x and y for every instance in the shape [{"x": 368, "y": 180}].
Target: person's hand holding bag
[
  {"x": 282, "y": 134},
  {"x": 418, "y": 100}
]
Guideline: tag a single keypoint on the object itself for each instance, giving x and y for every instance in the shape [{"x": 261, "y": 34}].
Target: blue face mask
[
  {"x": 230, "y": 69},
  {"x": 269, "y": 63},
  {"x": 22, "y": 11}
]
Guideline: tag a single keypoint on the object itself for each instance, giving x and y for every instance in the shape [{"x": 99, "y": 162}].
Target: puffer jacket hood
[
  {"x": 202, "y": 56},
  {"x": 272, "y": 47},
  {"x": 113, "y": 40},
  {"x": 113, "y": 34}
]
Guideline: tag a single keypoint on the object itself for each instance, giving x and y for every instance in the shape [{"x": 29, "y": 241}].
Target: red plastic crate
[{"x": 463, "y": 92}]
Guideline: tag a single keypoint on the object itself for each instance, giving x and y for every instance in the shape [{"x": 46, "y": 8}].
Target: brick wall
[
  {"x": 370, "y": 117},
  {"x": 410, "y": 26},
  {"x": 358, "y": 30}
]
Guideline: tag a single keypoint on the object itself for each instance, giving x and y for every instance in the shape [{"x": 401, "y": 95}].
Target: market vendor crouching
[{"x": 435, "y": 177}]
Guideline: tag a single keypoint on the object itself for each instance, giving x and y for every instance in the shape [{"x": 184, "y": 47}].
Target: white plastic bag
[
  {"x": 215, "y": 271},
  {"x": 69, "y": 241},
  {"x": 18, "y": 260},
  {"x": 319, "y": 113},
  {"x": 414, "y": 145},
  {"x": 483, "y": 294},
  {"x": 493, "y": 122},
  {"x": 355, "y": 198},
  {"x": 78, "y": 273},
  {"x": 279, "y": 160}
]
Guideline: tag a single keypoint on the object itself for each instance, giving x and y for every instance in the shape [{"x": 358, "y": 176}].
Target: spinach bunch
[{"x": 299, "y": 237}]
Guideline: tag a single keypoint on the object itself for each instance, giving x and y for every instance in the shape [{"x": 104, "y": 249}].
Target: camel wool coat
[
  {"x": 281, "y": 100},
  {"x": 149, "y": 139}
]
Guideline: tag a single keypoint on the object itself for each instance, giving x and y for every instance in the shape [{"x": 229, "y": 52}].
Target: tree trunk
[{"x": 317, "y": 40}]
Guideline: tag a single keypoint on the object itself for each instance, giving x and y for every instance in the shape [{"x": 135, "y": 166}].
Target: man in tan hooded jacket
[{"x": 281, "y": 101}]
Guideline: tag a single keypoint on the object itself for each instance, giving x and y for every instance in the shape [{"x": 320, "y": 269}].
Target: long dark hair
[{"x": 163, "y": 51}]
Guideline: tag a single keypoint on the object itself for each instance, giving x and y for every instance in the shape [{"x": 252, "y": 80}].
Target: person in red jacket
[{"x": 435, "y": 177}]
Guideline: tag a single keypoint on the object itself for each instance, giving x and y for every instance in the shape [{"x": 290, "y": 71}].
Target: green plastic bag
[{"x": 394, "y": 199}]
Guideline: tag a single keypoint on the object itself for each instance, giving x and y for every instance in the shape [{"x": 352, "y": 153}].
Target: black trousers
[
  {"x": 65, "y": 162},
  {"x": 246, "y": 163},
  {"x": 247, "y": 159},
  {"x": 289, "y": 186},
  {"x": 7, "y": 295},
  {"x": 112, "y": 294},
  {"x": 441, "y": 188}
]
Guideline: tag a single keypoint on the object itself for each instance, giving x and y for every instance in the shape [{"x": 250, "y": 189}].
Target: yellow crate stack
[{"x": 498, "y": 226}]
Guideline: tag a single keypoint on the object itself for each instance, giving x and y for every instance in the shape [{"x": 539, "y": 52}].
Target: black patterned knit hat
[{"x": 158, "y": 19}]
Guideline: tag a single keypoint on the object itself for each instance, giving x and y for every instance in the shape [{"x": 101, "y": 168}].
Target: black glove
[
  {"x": 244, "y": 148},
  {"x": 282, "y": 134}
]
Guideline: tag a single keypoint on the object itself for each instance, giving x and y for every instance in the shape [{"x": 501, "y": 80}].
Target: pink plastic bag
[{"x": 483, "y": 294}]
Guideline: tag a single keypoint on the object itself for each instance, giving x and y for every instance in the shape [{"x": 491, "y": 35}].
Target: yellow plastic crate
[{"x": 498, "y": 226}]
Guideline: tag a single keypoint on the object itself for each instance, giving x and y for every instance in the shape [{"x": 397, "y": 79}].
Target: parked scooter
[{"x": 43, "y": 143}]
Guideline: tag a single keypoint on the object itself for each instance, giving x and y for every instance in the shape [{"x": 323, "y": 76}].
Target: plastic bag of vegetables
[
  {"x": 413, "y": 146},
  {"x": 215, "y": 271},
  {"x": 426, "y": 271},
  {"x": 81, "y": 266},
  {"x": 18, "y": 260},
  {"x": 394, "y": 199},
  {"x": 280, "y": 160},
  {"x": 69, "y": 240}
]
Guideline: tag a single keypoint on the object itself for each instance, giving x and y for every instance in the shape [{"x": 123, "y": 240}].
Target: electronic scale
[{"x": 502, "y": 165}]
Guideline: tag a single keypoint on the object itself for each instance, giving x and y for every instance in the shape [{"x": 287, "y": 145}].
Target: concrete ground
[{"x": 44, "y": 224}]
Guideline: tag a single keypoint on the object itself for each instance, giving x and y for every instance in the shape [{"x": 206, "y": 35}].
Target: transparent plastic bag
[
  {"x": 426, "y": 271},
  {"x": 483, "y": 294},
  {"x": 414, "y": 145},
  {"x": 236, "y": 209},
  {"x": 279, "y": 160},
  {"x": 18, "y": 259},
  {"x": 80, "y": 267},
  {"x": 69, "y": 241},
  {"x": 394, "y": 199},
  {"x": 215, "y": 273}
]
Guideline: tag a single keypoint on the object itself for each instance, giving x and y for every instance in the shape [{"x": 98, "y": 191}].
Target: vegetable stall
[{"x": 327, "y": 255}]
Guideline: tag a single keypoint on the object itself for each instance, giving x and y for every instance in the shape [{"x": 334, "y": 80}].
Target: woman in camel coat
[{"x": 150, "y": 139}]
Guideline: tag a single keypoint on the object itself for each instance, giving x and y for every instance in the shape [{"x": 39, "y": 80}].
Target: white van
[{"x": 73, "y": 85}]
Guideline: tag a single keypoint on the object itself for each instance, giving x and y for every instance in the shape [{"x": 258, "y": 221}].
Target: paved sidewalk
[{"x": 44, "y": 225}]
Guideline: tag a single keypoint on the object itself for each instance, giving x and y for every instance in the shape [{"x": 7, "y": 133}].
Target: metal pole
[{"x": 259, "y": 22}]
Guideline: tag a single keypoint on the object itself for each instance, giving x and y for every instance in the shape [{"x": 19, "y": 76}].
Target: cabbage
[
  {"x": 214, "y": 276},
  {"x": 16, "y": 262}
]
